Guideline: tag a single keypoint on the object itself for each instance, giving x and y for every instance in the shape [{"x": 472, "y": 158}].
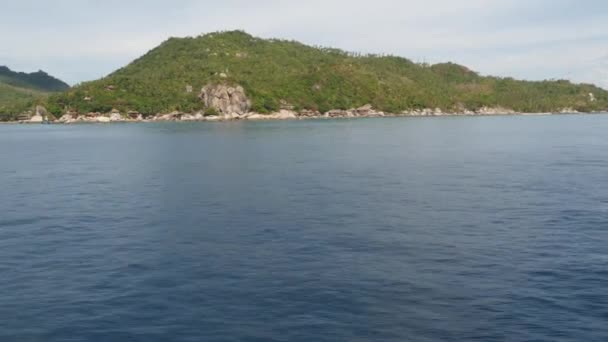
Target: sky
[{"x": 82, "y": 40}]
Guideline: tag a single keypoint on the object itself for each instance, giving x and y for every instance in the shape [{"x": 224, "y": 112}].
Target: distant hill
[
  {"x": 39, "y": 80},
  {"x": 275, "y": 72},
  {"x": 19, "y": 91}
]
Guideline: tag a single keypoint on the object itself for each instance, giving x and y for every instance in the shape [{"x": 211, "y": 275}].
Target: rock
[
  {"x": 568, "y": 110},
  {"x": 133, "y": 114},
  {"x": 230, "y": 116},
  {"x": 41, "y": 111},
  {"x": 226, "y": 99},
  {"x": 103, "y": 119},
  {"x": 367, "y": 111},
  {"x": 36, "y": 119},
  {"x": 286, "y": 115},
  {"x": 306, "y": 113},
  {"x": 114, "y": 117},
  {"x": 173, "y": 116},
  {"x": 188, "y": 117},
  {"x": 66, "y": 118},
  {"x": 494, "y": 111},
  {"x": 336, "y": 113},
  {"x": 90, "y": 117},
  {"x": 255, "y": 116},
  {"x": 364, "y": 111}
]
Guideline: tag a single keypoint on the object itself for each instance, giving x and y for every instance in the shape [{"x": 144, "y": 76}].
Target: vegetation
[
  {"x": 39, "y": 80},
  {"x": 20, "y": 92},
  {"x": 277, "y": 71},
  {"x": 14, "y": 100}
]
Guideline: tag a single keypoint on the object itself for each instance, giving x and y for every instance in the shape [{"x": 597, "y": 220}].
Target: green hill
[
  {"x": 39, "y": 80},
  {"x": 277, "y": 71},
  {"x": 14, "y": 100},
  {"x": 19, "y": 91}
]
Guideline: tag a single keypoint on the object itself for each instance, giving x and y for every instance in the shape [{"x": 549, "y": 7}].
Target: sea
[{"x": 394, "y": 229}]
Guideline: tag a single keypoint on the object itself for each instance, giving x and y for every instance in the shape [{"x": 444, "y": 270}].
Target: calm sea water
[{"x": 430, "y": 229}]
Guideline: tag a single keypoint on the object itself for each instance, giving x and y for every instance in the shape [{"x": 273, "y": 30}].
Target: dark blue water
[{"x": 431, "y": 229}]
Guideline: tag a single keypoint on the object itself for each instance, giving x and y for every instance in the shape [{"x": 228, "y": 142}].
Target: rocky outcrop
[
  {"x": 460, "y": 111},
  {"x": 66, "y": 118},
  {"x": 280, "y": 115},
  {"x": 494, "y": 111},
  {"x": 306, "y": 113},
  {"x": 226, "y": 99},
  {"x": 41, "y": 111},
  {"x": 568, "y": 110},
  {"x": 235, "y": 97},
  {"x": 40, "y": 116},
  {"x": 174, "y": 116},
  {"x": 192, "y": 117},
  {"x": 116, "y": 117},
  {"x": 36, "y": 119},
  {"x": 366, "y": 111}
]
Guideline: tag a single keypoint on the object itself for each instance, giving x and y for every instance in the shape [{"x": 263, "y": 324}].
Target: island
[{"x": 235, "y": 76}]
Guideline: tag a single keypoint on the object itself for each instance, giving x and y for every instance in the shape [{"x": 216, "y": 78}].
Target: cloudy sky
[{"x": 80, "y": 40}]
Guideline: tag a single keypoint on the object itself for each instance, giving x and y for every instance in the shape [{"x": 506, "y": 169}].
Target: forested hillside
[{"x": 272, "y": 72}]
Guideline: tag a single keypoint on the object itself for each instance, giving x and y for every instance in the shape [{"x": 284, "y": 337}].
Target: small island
[{"x": 235, "y": 76}]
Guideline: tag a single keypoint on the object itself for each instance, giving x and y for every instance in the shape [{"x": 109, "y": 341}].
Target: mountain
[
  {"x": 39, "y": 80},
  {"x": 21, "y": 91},
  {"x": 276, "y": 73}
]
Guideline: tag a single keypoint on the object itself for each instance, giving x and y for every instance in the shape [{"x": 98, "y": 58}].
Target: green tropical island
[{"x": 233, "y": 75}]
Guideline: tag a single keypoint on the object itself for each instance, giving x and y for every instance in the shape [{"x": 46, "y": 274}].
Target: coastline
[{"x": 283, "y": 115}]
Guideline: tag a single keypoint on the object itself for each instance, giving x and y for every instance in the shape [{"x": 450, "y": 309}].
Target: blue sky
[{"x": 80, "y": 40}]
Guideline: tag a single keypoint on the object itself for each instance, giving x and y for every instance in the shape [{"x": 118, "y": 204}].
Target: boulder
[
  {"x": 568, "y": 110},
  {"x": 336, "y": 113},
  {"x": 188, "y": 117},
  {"x": 36, "y": 118},
  {"x": 494, "y": 111},
  {"x": 255, "y": 116},
  {"x": 41, "y": 111},
  {"x": 66, "y": 118},
  {"x": 309, "y": 113},
  {"x": 115, "y": 117},
  {"x": 364, "y": 111},
  {"x": 230, "y": 116},
  {"x": 286, "y": 115},
  {"x": 226, "y": 99},
  {"x": 103, "y": 119},
  {"x": 173, "y": 116}
]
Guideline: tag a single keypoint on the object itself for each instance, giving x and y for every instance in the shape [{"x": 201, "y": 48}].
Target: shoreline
[{"x": 283, "y": 115}]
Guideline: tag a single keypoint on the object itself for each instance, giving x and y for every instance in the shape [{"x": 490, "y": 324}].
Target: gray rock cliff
[{"x": 226, "y": 99}]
